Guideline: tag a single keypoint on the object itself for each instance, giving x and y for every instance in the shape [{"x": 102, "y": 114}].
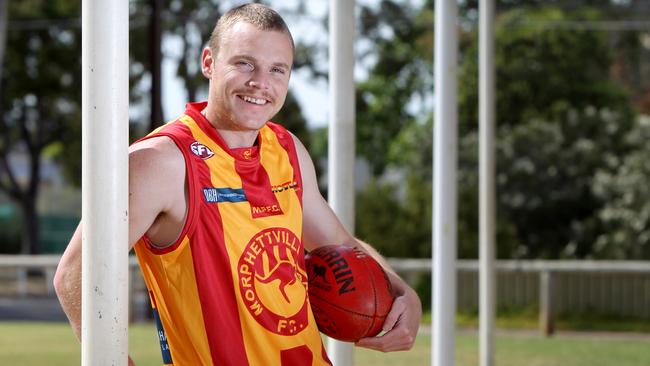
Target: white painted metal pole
[
  {"x": 444, "y": 184},
  {"x": 104, "y": 183},
  {"x": 341, "y": 144},
  {"x": 487, "y": 188}
]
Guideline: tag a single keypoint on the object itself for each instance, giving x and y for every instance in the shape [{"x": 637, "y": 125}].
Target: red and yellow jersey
[{"x": 232, "y": 290}]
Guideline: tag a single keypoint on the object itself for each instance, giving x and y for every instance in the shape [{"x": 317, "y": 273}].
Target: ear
[{"x": 207, "y": 62}]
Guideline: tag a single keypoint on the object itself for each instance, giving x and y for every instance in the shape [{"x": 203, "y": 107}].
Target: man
[{"x": 214, "y": 198}]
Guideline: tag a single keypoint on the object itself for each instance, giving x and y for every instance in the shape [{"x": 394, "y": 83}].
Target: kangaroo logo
[
  {"x": 281, "y": 261},
  {"x": 273, "y": 281}
]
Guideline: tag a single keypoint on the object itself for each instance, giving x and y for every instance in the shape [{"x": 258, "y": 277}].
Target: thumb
[{"x": 393, "y": 316}]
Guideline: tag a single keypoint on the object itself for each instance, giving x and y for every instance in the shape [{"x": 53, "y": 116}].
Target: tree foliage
[
  {"x": 398, "y": 38},
  {"x": 40, "y": 95},
  {"x": 560, "y": 120},
  {"x": 39, "y": 99},
  {"x": 626, "y": 214},
  {"x": 566, "y": 156}
]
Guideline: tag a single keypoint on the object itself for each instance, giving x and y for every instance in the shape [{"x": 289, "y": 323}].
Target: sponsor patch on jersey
[
  {"x": 162, "y": 338},
  {"x": 285, "y": 187},
  {"x": 218, "y": 195},
  {"x": 201, "y": 150},
  {"x": 263, "y": 211}
]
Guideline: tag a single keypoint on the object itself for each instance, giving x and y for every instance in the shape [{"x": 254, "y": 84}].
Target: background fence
[{"x": 620, "y": 288}]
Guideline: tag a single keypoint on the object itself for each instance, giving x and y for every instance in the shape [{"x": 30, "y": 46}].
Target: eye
[
  {"x": 278, "y": 70},
  {"x": 244, "y": 64}
]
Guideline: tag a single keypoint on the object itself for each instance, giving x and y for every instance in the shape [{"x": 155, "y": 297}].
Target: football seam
[{"x": 342, "y": 308}]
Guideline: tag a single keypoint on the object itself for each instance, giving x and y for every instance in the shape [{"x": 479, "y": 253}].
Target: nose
[{"x": 258, "y": 80}]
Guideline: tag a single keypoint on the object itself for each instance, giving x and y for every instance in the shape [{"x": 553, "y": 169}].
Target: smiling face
[{"x": 249, "y": 77}]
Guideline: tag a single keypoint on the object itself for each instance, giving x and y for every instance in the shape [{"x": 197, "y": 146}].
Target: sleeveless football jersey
[{"x": 232, "y": 290}]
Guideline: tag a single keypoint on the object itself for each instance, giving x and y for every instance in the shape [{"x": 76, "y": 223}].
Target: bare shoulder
[
  {"x": 156, "y": 145},
  {"x": 157, "y": 167},
  {"x": 159, "y": 155},
  {"x": 320, "y": 224},
  {"x": 309, "y": 179},
  {"x": 156, "y": 189},
  {"x": 301, "y": 151}
]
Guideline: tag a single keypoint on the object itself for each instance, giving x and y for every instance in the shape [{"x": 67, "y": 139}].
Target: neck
[
  {"x": 236, "y": 139},
  {"x": 233, "y": 137}
]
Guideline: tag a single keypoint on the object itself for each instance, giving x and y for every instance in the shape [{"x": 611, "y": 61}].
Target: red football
[{"x": 349, "y": 292}]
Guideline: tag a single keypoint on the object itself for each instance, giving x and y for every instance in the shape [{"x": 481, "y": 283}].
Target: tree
[
  {"x": 561, "y": 119},
  {"x": 39, "y": 101},
  {"x": 626, "y": 213},
  {"x": 399, "y": 67},
  {"x": 191, "y": 22},
  {"x": 3, "y": 34},
  {"x": 561, "y": 122},
  {"x": 395, "y": 133},
  {"x": 155, "y": 63},
  {"x": 410, "y": 154}
]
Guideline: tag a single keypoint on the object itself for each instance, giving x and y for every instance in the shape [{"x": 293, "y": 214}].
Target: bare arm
[
  {"x": 67, "y": 281},
  {"x": 322, "y": 227},
  {"x": 156, "y": 181}
]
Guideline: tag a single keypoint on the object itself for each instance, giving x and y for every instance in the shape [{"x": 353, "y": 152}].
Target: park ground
[{"x": 53, "y": 344}]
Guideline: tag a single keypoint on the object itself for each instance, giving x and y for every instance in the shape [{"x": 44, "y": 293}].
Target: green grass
[
  {"x": 528, "y": 318},
  {"x": 525, "y": 318},
  {"x": 529, "y": 350},
  {"x": 53, "y": 344},
  {"x": 602, "y": 322}
]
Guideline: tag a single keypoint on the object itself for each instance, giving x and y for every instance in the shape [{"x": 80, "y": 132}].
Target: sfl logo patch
[{"x": 201, "y": 150}]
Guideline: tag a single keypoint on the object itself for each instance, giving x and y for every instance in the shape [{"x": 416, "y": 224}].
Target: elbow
[
  {"x": 59, "y": 281},
  {"x": 66, "y": 278}
]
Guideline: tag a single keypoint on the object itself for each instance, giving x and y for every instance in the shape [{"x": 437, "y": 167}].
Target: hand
[
  {"x": 400, "y": 327},
  {"x": 131, "y": 363}
]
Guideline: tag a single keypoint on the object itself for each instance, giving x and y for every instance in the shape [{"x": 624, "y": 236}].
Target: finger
[
  {"x": 370, "y": 342},
  {"x": 398, "y": 339},
  {"x": 381, "y": 345},
  {"x": 394, "y": 314}
]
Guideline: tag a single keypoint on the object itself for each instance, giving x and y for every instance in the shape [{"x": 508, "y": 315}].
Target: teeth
[{"x": 253, "y": 100}]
